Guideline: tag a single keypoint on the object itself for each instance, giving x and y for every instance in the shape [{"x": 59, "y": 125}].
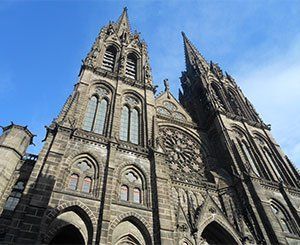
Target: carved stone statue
[{"x": 167, "y": 85}]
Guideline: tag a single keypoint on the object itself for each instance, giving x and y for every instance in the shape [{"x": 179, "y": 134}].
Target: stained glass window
[
  {"x": 124, "y": 124},
  {"x": 100, "y": 117},
  {"x": 250, "y": 159},
  {"x": 163, "y": 111},
  {"x": 90, "y": 113},
  {"x": 73, "y": 182},
  {"x": 271, "y": 162},
  {"x": 86, "y": 186},
  {"x": 136, "y": 195},
  {"x": 124, "y": 193},
  {"x": 134, "y": 126}
]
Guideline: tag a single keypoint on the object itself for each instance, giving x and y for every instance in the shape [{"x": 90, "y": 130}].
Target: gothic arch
[
  {"x": 134, "y": 52},
  {"x": 103, "y": 83},
  {"x": 112, "y": 43},
  {"x": 133, "y": 93},
  {"x": 238, "y": 129},
  {"x": 287, "y": 223},
  {"x": 74, "y": 155},
  {"x": 215, "y": 233},
  {"x": 219, "y": 92},
  {"x": 48, "y": 230},
  {"x": 136, "y": 219},
  {"x": 222, "y": 223},
  {"x": 92, "y": 159},
  {"x": 261, "y": 137},
  {"x": 139, "y": 170}
]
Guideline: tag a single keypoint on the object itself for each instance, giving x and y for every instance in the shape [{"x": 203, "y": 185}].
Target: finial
[
  {"x": 125, "y": 8},
  {"x": 167, "y": 85}
]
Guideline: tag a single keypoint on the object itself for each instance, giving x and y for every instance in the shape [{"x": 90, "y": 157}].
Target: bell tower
[
  {"x": 119, "y": 60},
  {"x": 242, "y": 142},
  {"x": 97, "y": 153}
]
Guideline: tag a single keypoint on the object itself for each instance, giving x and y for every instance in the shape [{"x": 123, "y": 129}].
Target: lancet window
[
  {"x": 218, "y": 96},
  {"x": 95, "y": 117},
  {"x": 82, "y": 176},
  {"x": 131, "y": 66},
  {"x": 249, "y": 157},
  {"x": 130, "y": 120},
  {"x": 234, "y": 103},
  {"x": 286, "y": 222},
  {"x": 109, "y": 58},
  {"x": 132, "y": 188}
]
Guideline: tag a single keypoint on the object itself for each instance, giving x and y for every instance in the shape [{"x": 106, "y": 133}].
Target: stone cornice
[{"x": 91, "y": 137}]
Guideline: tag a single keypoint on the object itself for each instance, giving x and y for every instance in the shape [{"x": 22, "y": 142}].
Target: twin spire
[
  {"x": 123, "y": 22},
  {"x": 192, "y": 55}
]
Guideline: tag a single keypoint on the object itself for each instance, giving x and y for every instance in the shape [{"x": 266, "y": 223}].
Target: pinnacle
[
  {"x": 191, "y": 52},
  {"x": 123, "y": 21}
]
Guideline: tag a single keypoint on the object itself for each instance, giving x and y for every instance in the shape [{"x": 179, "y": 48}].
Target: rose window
[{"x": 183, "y": 153}]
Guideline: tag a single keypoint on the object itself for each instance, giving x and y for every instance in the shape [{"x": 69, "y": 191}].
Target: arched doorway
[
  {"x": 130, "y": 231},
  {"x": 216, "y": 234},
  {"x": 68, "y": 235}
]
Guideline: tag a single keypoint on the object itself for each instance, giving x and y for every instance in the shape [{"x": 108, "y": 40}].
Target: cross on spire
[{"x": 123, "y": 22}]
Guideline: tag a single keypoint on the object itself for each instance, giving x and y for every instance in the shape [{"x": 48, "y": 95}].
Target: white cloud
[{"x": 273, "y": 85}]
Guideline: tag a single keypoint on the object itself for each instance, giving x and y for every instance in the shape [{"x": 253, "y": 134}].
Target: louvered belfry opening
[
  {"x": 109, "y": 58},
  {"x": 131, "y": 66}
]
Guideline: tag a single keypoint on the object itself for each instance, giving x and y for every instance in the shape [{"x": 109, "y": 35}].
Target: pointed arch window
[
  {"x": 124, "y": 193},
  {"x": 249, "y": 158},
  {"x": 132, "y": 185},
  {"x": 134, "y": 126},
  {"x": 218, "y": 95},
  {"x": 129, "y": 130},
  {"x": 124, "y": 129},
  {"x": 286, "y": 222},
  {"x": 73, "y": 182},
  {"x": 136, "y": 195},
  {"x": 86, "y": 185},
  {"x": 131, "y": 66},
  {"x": 95, "y": 115},
  {"x": 271, "y": 163},
  {"x": 100, "y": 117},
  {"x": 83, "y": 176},
  {"x": 109, "y": 58}
]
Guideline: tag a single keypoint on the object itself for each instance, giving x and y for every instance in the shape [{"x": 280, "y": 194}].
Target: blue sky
[{"x": 257, "y": 42}]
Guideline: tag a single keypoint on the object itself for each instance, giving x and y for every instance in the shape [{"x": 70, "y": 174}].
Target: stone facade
[{"x": 120, "y": 165}]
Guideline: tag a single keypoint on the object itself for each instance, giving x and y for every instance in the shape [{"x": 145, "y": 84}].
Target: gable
[{"x": 168, "y": 107}]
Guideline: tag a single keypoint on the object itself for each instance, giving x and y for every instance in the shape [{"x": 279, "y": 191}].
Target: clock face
[{"x": 183, "y": 153}]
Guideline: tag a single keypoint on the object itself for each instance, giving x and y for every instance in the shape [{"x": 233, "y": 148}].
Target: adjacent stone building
[{"x": 121, "y": 165}]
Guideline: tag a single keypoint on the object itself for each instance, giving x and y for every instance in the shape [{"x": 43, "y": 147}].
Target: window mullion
[
  {"x": 129, "y": 124},
  {"x": 95, "y": 115}
]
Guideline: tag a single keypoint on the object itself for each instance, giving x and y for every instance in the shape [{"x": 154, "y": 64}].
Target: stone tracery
[{"x": 183, "y": 154}]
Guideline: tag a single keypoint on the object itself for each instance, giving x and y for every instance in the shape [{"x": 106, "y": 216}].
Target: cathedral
[{"x": 122, "y": 164}]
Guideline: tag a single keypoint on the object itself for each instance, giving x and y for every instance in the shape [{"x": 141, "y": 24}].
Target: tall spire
[
  {"x": 123, "y": 22},
  {"x": 192, "y": 55}
]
